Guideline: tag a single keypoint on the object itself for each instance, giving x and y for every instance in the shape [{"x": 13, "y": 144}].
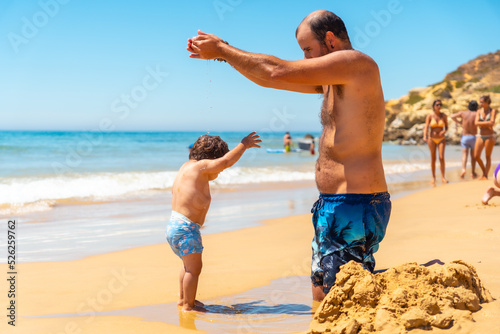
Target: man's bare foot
[
  {"x": 488, "y": 195},
  {"x": 462, "y": 175},
  {"x": 474, "y": 175},
  {"x": 484, "y": 177},
  {"x": 443, "y": 180},
  {"x": 433, "y": 181}
]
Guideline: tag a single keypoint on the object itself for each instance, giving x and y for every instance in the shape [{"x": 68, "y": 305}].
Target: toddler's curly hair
[{"x": 208, "y": 147}]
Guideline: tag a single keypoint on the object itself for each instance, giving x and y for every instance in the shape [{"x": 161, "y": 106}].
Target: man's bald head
[{"x": 322, "y": 21}]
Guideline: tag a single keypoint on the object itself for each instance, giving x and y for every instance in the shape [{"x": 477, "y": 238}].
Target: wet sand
[
  {"x": 234, "y": 262},
  {"x": 447, "y": 222},
  {"x": 74, "y": 231}
]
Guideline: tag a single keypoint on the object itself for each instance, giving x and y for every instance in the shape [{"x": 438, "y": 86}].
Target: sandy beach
[
  {"x": 447, "y": 222},
  {"x": 104, "y": 107}
]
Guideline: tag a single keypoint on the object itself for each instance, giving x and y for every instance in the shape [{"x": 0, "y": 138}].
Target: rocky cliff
[{"x": 405, "y": 117}]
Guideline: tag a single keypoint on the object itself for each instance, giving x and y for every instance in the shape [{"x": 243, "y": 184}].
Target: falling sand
[{"x": 400, "y": 299}]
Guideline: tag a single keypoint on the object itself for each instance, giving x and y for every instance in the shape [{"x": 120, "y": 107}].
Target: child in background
[
  {"x": 492, "y": 192},
  {"x": 190, "y": 202}
]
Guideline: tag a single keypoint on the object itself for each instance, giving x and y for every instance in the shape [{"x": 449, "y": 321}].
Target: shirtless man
[
  {"x": 352, "y": 212},
  {"x": 467, "y": 119}
]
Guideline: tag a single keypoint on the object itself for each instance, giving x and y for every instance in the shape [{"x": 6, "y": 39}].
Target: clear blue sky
[{"x": 123, "y": 65}]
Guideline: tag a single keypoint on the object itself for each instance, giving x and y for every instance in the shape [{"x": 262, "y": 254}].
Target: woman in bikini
[
  {"x": 437, "y": 123},
  {"x": 485, "y": 119}
]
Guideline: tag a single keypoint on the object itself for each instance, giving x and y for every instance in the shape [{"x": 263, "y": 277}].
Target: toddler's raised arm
[{"x": 231, "y": 157}]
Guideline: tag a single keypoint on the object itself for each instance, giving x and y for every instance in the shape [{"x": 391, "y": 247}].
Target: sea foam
[{"x": 30, "y": 194}]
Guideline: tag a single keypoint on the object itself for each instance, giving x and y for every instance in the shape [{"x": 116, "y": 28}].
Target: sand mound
[{"x": 402, "y": 298}]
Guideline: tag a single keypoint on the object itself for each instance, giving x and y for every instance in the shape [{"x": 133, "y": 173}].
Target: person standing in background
[
  {"x": 437, "y": 123},
  {"x": 467, "y": 119},
  {"x": 485, "y": 120}
]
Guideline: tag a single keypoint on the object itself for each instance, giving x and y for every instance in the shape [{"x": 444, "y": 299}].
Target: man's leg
[
  {"x": 331, "y": 265},
  {"x": 316, "y": 274},
  {"x": 473, "y": 163},
  {"x": 464, "y": 162},
  {"x": 317, "y": 292}
]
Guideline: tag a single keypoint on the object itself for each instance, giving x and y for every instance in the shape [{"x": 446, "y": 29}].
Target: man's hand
[
  {"x": 205, "y": 46},
  {"x": 251, "y": 140}
]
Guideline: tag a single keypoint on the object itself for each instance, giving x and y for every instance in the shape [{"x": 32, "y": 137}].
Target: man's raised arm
[{"x": 259, "y": 68}]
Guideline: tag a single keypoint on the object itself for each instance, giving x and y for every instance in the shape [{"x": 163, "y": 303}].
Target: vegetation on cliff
[{"x": 405, "y": 117}]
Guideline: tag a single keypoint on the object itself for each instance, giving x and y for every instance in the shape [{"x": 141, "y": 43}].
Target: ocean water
[
  {"x": 72, "y": 190},
  {"x": 40, "y": 169}
]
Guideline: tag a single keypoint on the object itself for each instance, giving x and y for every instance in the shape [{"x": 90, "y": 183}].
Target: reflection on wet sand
[
  {"x": 259, "y": 310},
  {"x": 284, "y": 306}
]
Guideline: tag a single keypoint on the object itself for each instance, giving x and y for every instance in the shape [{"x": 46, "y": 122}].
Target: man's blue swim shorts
[
  {"x": 468, "y": 141},
  {"x": 347, "y": 227},
  {"x": 183, "y": 235}
]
